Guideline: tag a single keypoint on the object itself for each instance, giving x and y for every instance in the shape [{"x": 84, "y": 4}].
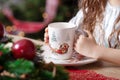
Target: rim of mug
[{"x": 66, "y": 23}]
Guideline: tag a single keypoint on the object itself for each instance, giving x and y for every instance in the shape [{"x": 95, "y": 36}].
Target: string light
[
  {"x": 21, "y": 33},
  {"x": 9, "y": 29},
  {"x": 45, "y": 15},
  {"x": 12, "y": 30}
]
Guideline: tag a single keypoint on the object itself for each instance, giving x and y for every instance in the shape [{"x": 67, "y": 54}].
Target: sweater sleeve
[{"x": 77, "y": 20}]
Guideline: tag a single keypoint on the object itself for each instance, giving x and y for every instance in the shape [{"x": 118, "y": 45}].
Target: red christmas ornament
[
  {"x": 1, "y": 31},
  {"x": 24, "y": 49}
]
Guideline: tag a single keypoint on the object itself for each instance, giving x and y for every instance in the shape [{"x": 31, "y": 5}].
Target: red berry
[
  {"x": 24, "y": 49},
  {"x": 1, "y": 31}
]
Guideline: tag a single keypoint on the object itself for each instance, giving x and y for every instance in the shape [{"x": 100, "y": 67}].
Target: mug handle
[{"x": 81, "y": 32}]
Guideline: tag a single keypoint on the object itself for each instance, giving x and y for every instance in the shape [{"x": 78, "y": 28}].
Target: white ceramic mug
[{"x": 61, "y": 39}]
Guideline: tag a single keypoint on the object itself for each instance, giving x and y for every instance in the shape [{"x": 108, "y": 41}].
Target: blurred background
[{"x": 30, "y": 17}]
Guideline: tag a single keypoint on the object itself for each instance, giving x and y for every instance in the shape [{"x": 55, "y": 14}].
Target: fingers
[
  {"x": 46, "y": 29},
  {"x": 78, "y": 42},
  {"x": 76, "y": 47},
  {"x": 76, "y": 50},
  {"x": 46, "y": 37},
  {"x": 81, "y": 37}
]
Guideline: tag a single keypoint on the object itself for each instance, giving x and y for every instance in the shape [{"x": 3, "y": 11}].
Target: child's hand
[
  {"x": 86, "y": 45},
  {"x": 46, "y": 37}
]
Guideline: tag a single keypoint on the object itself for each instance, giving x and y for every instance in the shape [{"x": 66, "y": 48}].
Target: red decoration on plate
[
  {"x": 87, "y": 75},
  {"x": 24, "y": 49}
]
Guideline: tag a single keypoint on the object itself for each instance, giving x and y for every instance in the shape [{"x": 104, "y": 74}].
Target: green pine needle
[{"x": 19, "y": 67}]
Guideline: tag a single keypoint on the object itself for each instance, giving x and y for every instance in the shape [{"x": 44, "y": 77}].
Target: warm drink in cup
[{"x": 61, "y": 39}]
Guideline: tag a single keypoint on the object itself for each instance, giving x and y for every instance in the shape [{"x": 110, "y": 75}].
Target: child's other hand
[
  {"x": 46, "y": 37},
  {"x": 86, "y": 45}
]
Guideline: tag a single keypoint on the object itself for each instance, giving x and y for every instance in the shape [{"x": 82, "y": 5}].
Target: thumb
[{"x": 46, "y": 29}]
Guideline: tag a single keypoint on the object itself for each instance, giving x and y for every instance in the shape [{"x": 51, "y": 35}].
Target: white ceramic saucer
[{"x": 70, "y": 62}]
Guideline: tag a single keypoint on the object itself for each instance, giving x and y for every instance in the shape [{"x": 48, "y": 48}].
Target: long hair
[{"x": 93, "y": 13}]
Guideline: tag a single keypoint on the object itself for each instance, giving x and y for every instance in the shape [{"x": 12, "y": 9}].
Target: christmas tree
[{"x": 54, "y": 37}]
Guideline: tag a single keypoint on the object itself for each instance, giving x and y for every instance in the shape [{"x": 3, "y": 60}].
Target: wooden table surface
[{"x": 100, "y": 67}]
